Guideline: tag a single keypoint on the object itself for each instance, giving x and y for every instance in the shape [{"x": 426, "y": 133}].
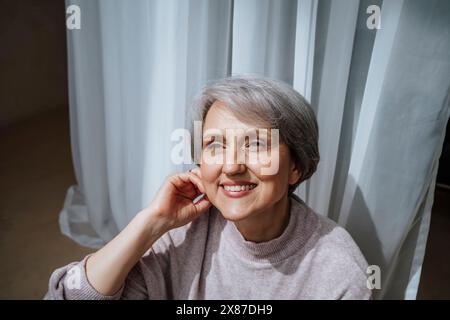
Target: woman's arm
[
  {"x": 107, "y": 269},
  {"x": 172, "y": 207}
]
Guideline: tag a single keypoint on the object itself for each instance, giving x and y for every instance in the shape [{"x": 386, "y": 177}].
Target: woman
[{"x": 249, "y": 237}]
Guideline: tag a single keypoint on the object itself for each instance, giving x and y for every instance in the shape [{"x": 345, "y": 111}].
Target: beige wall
[{"x": 33, "y": 76}]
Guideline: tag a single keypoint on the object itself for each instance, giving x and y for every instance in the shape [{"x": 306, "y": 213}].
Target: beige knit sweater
[{"x": 209, "y": 259}]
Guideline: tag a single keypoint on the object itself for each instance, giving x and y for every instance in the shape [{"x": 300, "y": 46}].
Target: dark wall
[{"x": 33, "y": 67}]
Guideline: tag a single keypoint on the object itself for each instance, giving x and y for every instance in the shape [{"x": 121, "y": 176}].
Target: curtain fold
[{"x": 379, "y": 95}]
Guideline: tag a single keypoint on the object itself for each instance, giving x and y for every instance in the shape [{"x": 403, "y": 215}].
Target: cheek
[
  {"x": 210, "y": 174},
  {"x": 266, "y": 180},
  {"x": 273, "y": 188},
  {"x": 272, "y": 184}
]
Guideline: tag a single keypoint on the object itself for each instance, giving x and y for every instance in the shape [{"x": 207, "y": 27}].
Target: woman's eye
[
  {"x": 214, "y": 145},
  {"x": 256, "y": 143}
]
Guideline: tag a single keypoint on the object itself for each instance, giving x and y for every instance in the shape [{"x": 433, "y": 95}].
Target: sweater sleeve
[
  {"x": 70, "y": 283},
  {"x": 357, "y": 293},
  {"x": 155, "y": 276}
]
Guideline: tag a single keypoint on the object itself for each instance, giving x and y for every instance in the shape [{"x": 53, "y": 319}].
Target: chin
[
  {"x": 234, "y": 213},
  {"x": 234, "y": 216}
]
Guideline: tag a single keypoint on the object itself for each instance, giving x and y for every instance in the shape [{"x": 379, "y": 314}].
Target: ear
[{"x": 294, "y": 173}]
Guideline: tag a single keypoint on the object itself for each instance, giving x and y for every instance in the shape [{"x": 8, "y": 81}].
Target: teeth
[{"x": 240, "y": 188}]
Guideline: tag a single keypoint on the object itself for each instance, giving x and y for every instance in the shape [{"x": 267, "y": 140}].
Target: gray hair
[{"x": 264, "y": 101}]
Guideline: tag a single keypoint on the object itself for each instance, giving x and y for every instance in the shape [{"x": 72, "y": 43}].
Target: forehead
[{"x": 220, "y": 117}]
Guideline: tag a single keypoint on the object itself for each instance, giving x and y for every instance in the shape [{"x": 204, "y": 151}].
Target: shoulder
[
  {"x": 193, "y": 233},
  {"x": 338, "y": 263},
  {"x": 338, "y": 244},
  {"x": 329, "y": 238},
  {"x": 177, "y": 249}
]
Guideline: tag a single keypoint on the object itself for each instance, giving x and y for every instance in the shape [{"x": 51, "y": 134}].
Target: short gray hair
[{"x": 264, "y": 101}]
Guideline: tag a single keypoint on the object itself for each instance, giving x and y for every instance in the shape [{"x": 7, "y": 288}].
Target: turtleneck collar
[{"x": 302, "y": 222}]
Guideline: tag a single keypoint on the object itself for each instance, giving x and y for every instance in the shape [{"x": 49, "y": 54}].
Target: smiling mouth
[{"x": 238, "y": 188}]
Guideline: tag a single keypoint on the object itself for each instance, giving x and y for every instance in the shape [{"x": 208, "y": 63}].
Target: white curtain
[{"x": 379, "y": 95}]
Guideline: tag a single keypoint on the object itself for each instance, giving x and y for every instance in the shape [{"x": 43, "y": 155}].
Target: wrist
[{"x": 151, "y": 225}]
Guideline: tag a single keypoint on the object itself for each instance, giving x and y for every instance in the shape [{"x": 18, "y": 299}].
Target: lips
[{"x": 237, "y": 189}]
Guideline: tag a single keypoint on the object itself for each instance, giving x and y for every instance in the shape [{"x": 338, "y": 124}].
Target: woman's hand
[
  {"x": 173, "y": 204},
  {"x": 172, "y": 207}
]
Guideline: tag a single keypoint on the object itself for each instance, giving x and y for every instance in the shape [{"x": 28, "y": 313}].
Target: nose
[
  {"x": 233, "y": 168},
  {"x": 234, "y": 160}
]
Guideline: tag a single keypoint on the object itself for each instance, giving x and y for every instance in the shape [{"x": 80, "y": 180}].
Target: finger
[
  {"x": 184, "y": 185},
  {"x": 197, "y": 172},
  {"x": 191, "y": 177},
  {"x": 188, "y": 184},
  {"x": 202, "y": 205}
]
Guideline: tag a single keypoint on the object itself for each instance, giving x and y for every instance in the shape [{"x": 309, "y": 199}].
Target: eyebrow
[
  {"x": 209, "y": 138},
  {"x": 212, "y": 135}
]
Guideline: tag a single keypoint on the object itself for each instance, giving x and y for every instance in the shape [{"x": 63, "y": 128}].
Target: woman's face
[{"x": 242, "y": 189}]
